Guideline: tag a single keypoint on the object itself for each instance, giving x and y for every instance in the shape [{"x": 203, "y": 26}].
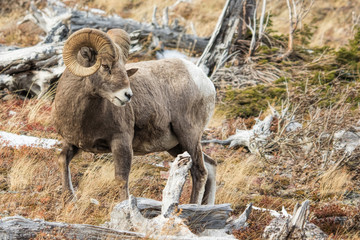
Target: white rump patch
[
  {"x": 200, "y": 79},
  {"x": 205, "y": 86}
]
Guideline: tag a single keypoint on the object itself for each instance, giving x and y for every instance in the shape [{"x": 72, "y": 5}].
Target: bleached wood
[
  {"x": 252, "y": 138},
  {"x": 165, "y": 19},
  {"x": 294, "y": 227},
  {"x": 240, "y": 222},
  {"x": 196, "y": 216},
  {"x": 153, "y": 19},
  {"x": 300, "y": 216},
  {"x": 31, "y": 69},
  {"x": 13, "y": 228},
  {"x": 169, "y": 37},
  {"x": 177, "y": 177}
]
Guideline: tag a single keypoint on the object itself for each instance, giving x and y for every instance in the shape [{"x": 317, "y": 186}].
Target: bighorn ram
[{"x": 171, "y": 103}]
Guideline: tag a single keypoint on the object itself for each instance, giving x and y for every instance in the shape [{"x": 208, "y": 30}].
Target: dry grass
[
  {"x": 330, "y": 20},
  {"x": 335, "y": 183},
  {"x": 96, "y": 194},
  {"x": 22, "y": 173},
  {"x": 27, "y": 116},
  {"x": 235, "y": 182},
  {"x": 23, "y": 35}
]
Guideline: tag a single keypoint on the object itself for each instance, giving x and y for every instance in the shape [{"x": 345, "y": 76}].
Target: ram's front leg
[
  {"x": 122, "y": 154},
  {"x": 67, "y": 153}
]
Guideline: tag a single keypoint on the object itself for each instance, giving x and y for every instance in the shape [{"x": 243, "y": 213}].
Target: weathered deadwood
[
  {"x": 31, "y": 69},
  {"x": 294, "y": 227},
  {"x": 240, "y": 222},
  {"x": 177, "y": 177},
  {"x": 217, "y": 51},
  {"x": 13, "y": 228},
  {"x": 127, "y": 215},
  {"x": 252, "y": 138},
  {"x": 24, "y": 59},
  {"x": 197, "y": 217},
  {"x": 168, "y": 37},
  {"x": 247, "y": 13},
  {"x": 256, "y": 138}
]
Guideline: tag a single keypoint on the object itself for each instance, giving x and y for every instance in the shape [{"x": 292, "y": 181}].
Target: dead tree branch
[{"x": 298, "y": 10}]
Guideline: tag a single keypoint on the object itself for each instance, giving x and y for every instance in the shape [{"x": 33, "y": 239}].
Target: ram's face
[
  {"x": 100, "y": 59},
  {"x": 114, "y": 84}
]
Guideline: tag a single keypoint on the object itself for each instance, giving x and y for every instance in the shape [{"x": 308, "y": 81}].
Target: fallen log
[
  {"x": 19, "y": 228},
  {"x": 167, "y": 36},
  {"x": 31, "y": 70},
  {"x": 253, "y": 138},
  {"x": 198, "y": 217},
  {"x": 256, "y": 138}
]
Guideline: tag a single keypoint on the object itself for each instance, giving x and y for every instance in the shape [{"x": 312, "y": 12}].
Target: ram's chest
[{"x": 87, "y": 128}]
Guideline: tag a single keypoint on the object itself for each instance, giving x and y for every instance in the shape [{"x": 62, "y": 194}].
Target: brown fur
[{"x": 166, "y": 113}]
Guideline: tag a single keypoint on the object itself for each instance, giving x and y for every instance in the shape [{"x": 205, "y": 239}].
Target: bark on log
[
  {"x": 31, "y": 69},
  {"x": 13, "y": 228},
  {"x": 246, "y": 15},
  {"x": 217, "y": 51}
]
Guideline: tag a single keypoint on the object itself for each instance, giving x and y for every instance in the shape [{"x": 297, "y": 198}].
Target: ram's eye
[{"x": 106, "y": 68}]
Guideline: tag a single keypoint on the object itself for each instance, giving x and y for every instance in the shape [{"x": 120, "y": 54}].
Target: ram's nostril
[{"x": 128, "y": 95}]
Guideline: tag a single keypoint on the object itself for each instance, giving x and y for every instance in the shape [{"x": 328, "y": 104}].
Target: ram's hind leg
[
  {"x": 210, "y": 187},
  {"x": 67, "y": 153},
  {"x": 191, "y": 143}
]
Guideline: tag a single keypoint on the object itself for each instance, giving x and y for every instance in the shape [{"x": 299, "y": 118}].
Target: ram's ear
[
  {"x": 131, "y": 71},
  {"x": 86, "y": 56}
]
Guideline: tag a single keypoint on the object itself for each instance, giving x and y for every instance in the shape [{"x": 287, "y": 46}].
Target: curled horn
[
  {"x": 95, "y": 39},
  {"x": 122, "y": 39}
]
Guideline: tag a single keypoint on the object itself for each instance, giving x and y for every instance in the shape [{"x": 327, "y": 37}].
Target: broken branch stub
[
  {"x": 172, "y": 191},
  {"x": 217, "y": 51},
  {"x": 294, "y": 227}
]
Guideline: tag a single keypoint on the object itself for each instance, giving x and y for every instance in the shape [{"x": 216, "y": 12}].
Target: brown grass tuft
[
  {"x": 22, "y": 173},
  {"x": 335, "y": 183},
  {"x": 237, "y": 176}
]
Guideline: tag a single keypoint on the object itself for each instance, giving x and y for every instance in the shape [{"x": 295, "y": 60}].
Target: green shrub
[
  {"x": 350, "y": 55},
  {"x": 251, "y": 101}
]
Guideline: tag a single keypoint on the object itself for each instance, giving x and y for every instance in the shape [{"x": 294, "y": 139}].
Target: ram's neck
[{"x": 75, "y": 103}]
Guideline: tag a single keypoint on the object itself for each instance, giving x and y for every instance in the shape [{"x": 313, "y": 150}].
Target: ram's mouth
[{"x": 118, "y": 102}]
